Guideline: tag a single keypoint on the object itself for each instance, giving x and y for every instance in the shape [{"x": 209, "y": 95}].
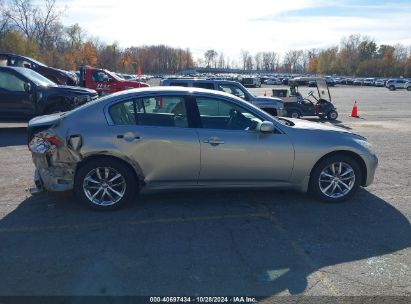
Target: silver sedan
[{"x": 166, "y": 138}]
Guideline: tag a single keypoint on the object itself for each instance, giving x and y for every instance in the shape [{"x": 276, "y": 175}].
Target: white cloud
[{"x": 228, "y": 26}]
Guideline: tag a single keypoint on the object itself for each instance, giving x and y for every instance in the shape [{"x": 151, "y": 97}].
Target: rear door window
[
  {"x": 232, "y": 89},
  {"x": 161, "y": 111}
]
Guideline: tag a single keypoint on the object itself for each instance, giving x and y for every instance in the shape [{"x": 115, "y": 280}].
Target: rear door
[
  {"x": 13, "y": 98},
  {"x": 234, "y": 151},
  {"x": 155, "y": 132}
]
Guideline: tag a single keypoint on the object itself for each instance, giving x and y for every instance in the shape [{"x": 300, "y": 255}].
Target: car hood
[
  {"x": 266, "y": 98},
  {"x": 71, "y": 90},
  {"x": 309, "y": 125},
  {"x": 134, "y": 84}
]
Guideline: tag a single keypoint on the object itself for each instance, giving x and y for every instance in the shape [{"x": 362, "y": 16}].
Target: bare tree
[
  {"x": 292, "y": 60},
  {"x": 33, "y": 21},
  {"x": 269, "y": 61},
  {"x": 4, "y": 19},
  {"x": 221, "y": 60},
  {"x": 244, "y": 58},
  {"x": 45, "y": 19},
  {"x": 210, "y": 57},
  {"x": 258, "y": 59},
  {"x": 23, "y": 16}
]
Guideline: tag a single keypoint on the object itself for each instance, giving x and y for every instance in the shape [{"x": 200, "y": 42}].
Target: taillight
[{"x": 44, "y": 144}]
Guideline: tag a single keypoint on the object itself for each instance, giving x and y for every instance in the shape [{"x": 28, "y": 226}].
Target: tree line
[
  {"x": 356, "y": 55},
  {"x": 34, "y": 29}
]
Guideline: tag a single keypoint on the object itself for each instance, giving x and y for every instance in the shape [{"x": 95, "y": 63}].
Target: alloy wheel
[
  {"x": 104, "y": 186},
  {"x": 336, "y": 180}
]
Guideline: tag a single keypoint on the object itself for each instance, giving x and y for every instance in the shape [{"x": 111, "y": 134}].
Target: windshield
[
  {"x": 35, "y": 61},
  {"x": 114, "y": 75},
  {"x": 36, "y": 77}
]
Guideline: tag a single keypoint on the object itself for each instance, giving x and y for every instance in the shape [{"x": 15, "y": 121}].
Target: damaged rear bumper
[{"x": 59, "y": 177}]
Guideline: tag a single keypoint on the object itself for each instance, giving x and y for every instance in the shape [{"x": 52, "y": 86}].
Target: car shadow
[{"x": 238, "y": 242}]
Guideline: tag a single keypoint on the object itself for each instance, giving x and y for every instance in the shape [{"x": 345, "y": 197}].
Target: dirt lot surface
[{"x": 255, "y": 243}]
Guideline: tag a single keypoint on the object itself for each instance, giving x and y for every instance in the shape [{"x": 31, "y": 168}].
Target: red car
[
  {"x": 60, "y": 77},
  {"x": 105, "y": 82}
]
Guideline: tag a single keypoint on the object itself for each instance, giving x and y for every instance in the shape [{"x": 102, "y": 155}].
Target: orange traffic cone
[
  {"x": 265, "y": 93},
  {"x": 354, "y": 112}
]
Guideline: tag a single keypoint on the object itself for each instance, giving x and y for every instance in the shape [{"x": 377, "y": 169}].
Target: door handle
[
  {"x": 213, "y": 141},
  {"x": 128, "y": 137}
]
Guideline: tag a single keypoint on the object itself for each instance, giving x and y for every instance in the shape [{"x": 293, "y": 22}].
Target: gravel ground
[{"x": 255, "y": 243}]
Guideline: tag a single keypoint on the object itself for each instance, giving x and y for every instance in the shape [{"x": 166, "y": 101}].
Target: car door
[
  {"x": 234, "y": 151},
  {"x": 13, "y": 97},
  {"x": 101, "y": 82},
  {"x": 155, "y": 133}
]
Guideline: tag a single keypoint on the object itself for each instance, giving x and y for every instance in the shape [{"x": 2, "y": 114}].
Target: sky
[{"x": 229, "y": 26}]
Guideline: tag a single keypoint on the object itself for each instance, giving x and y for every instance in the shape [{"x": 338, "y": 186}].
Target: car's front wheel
[
  {"x": 335, "y": 178},
  {"x": 105, "y": 184}
]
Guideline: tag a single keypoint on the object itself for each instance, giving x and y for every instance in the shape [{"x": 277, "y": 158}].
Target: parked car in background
[
  {"x": 57, "y": 76},
  {"x": 380, "y": 82},
  {"x": 251, "y": 82},
  {"x": 358, "y": 82},
  {"x": 273, "y": 106},
  {"x": 394, "y": 84},
  {"x": 369, "y": 81},
  {"x": 273, "y": 81},
  {"x": 106, "y": 82},
  {"x": 170, "y": 137},
  {"x": 349, "y": 81},
  {"x": 26, "y": 93}
]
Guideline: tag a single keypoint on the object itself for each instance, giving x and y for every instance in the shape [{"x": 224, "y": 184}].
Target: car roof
[
  {"x": 199, "y": 80},
  {"x": 174, "y": 89}
]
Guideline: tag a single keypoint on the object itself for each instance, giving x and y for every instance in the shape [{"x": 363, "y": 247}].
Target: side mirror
[
  {"x": 27, "y": 87},
  {"x": 267, "y": 127}
]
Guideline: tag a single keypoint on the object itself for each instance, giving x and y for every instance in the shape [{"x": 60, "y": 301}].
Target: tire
[
  {"x": 409, "y": 88},
  {"x": 391, "y": 88},
  {"x": 117, "y": 188},
  {"x": 294, "y": 114},
  {"x": 317, "y": 187},
  {"x": 332, "y": 115}
]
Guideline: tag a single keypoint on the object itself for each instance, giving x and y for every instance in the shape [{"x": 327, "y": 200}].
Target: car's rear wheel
[
  {"x": 335, "y": 178},
  {"x": 392, "y": 88},
  {"x": 409, "y": 89},
  {"x": 105, "y": 184},
  {"x": 294, "y": 114}
]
